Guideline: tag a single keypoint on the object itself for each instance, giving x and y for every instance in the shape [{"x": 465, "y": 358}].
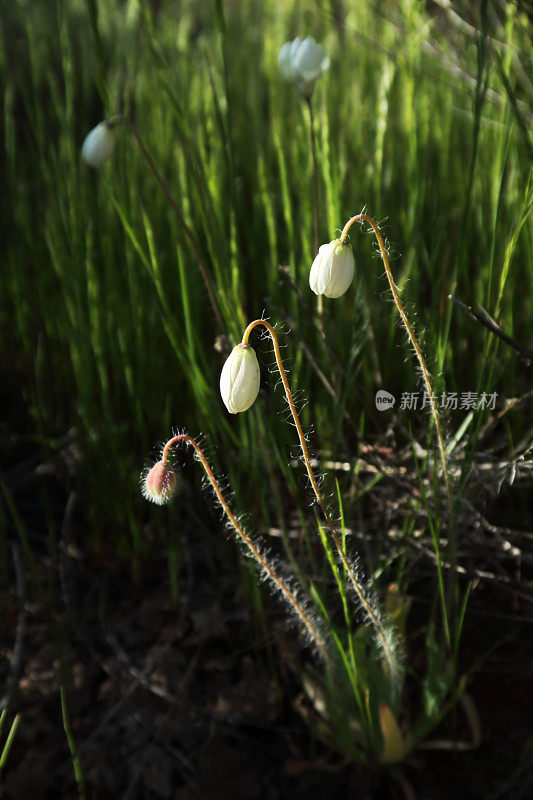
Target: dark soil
[{"x": 217, "y": 715}]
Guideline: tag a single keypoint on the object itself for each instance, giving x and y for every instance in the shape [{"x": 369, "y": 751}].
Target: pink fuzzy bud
[{"x": 159, "y": 483}]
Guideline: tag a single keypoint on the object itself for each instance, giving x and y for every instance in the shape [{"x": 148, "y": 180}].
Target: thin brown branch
[{"x": 491, "y": 325}]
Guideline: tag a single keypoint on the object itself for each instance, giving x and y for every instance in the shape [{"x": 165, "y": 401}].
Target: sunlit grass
[
  {"x": 105, "y": 310},
  {"x": 116, "y": 333}
]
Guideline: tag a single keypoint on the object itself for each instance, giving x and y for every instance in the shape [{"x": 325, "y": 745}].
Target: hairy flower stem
[
  {"x": 427, "y": 382},
  {"x": 263, "y": 563},
  {"x": 119, "y": 118},
  {"x": 320, "y": 499}
]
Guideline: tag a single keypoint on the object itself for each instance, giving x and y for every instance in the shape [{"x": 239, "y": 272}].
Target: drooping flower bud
[
  {"x": 160, "y": 483},
  {"x": 332, "y": 270},
  {"x": 303, "y": 61},
  {"x": 240, "y": 379},
  {"x": 98, "y": 145}
]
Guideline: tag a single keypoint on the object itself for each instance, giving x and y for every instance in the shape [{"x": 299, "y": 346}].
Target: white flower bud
[
  {"x": 240, "y": 379},
  {"x": 98, "y": 145},
  {"x": 332, "y": 270},
  {"x": 303, "y": 61}
]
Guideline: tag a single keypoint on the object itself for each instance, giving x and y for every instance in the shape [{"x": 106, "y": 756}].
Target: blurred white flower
[
  {"x": 332, "y": 270},
  {"x": 240, "y": 379},
  {"x": 98, "y": 145},
  {"x": 303, "y": 61}
]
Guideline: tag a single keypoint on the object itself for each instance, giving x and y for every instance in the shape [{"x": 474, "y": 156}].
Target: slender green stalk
[
  {"x": 10, "y": 737},
  {"x": 278, "y": 582},
  {"x": 78, "y": 773},
  {"x": 320, "y": 498},
  {"x": 315, "y": 191},
  {"x": 315, "y": 173}
]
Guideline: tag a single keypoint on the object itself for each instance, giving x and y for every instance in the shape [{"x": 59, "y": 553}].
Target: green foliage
[
  {"x": 439, "y": 675},
  {"x": 106, "y": 315},
  {"x": 9, "y": 740},
  {"x": 118, "y": 311}
]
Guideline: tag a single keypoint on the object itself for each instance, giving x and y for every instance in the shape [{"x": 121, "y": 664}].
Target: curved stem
[
  {"x": 278, "y": 582},
  {"x": 119, "y": 118},
  {"x": 423, "y": 367},
  {"x": 292, "y": 407},
  {"x": 320, "y": 498}
]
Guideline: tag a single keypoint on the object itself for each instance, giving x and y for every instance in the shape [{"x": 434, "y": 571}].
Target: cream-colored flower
[
  {"x": 240, "y": 379},
  {"x": 98, "y": 145},
  {"x": 332, "y": 270},
  {"x": 303, "y": 61}
]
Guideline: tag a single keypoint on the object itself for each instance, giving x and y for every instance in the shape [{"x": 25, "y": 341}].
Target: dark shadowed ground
[{"x": 198, "y": 698}]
